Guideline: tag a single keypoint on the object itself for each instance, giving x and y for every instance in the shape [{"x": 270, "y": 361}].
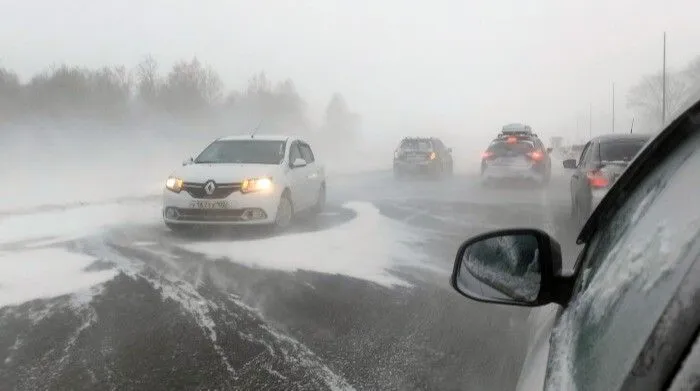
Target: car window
[
  {"x": 306, "y": 153},
  {"x": 622, "y": 150},
  {"x": 501, "y": 148},
  {"x": 631, "y": 269},
  {"x": 294, "y": 152},
  {"x": 416, "y": 145},
  {"x": 242, "y": 151},
  {"x": 585, "y": 155}
]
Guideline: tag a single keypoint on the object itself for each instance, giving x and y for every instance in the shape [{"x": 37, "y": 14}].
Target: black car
[
  {"x": 627, "y": 318},
  {"x": 602, "y": 161},
  {"x": 422, "y": 156},
  {"x": 516, "y": 155}
]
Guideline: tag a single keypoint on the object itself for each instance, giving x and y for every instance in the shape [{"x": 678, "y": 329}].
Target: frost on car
[{"x": 615, "y": 286}]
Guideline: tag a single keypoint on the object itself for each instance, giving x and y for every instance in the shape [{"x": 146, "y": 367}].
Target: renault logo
[{"x": 209, "y": 187}]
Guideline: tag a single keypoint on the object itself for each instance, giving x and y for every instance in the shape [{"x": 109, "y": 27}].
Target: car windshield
[
  {"x": 623, "y": 150},
  {"x": 416, "y": 145},
  {"x": 243, "y": 152},
  {"x": 502, "y": 148}
]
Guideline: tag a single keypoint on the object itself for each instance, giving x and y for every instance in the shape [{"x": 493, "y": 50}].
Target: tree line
[
  {"x": 188, "y": 91},
  {"x": 682, "y": 90}
]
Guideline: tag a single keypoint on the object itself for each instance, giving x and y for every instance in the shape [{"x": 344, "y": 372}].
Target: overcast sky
[{"x": 462, "y": 66}]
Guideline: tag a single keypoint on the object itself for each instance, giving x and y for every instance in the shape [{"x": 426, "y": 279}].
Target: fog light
[
  {"x": 259, "y": 214},
  {"x": 171, "y": 213}
]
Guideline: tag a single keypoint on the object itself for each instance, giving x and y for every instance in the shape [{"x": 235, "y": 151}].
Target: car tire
[
  {"x": 285, "y": 213},
  {"x": 320, "y": 200}
]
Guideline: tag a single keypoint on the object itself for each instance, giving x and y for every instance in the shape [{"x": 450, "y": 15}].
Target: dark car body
[
  {"x": 422, "y": 156},
  {"x": 602, "y": 161},
  {"x": 516, "y": 156},
  {"x": 627, "y": 318}
]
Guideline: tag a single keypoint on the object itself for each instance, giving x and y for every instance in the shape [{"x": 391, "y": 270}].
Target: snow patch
[
  {"x": 63, "y": 225},
  {"x": 45, "y": 273},
  {"x": 368, "y": 247}
]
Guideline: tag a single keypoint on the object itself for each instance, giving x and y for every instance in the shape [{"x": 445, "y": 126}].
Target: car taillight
[
  {"x": 486, "y": 155},
  {"x": 536, "y": 155},
  {"x": 597, "y": 179}
]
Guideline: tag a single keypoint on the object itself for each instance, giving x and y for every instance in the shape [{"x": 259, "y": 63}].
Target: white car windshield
[{"x": 243, "y": 152}]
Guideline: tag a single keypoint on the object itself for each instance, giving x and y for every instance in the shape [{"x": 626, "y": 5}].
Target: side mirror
[
  {"x": 569, "y": 163},
  {"x": 187, "y": 162},
  {"x": 515, "y": 266},
  {"x": 298, "y": 162},
  {"x": 550, "y": 149},
  {"x": 449, "y": 150}
]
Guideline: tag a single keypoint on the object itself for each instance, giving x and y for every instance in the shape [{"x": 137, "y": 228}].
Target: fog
[{"x": 451, "y": 69}]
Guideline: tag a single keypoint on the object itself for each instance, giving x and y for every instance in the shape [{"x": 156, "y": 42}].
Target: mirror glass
[
  {"x": 501, "y": 268},
  {"x": 299, "y": 162}
]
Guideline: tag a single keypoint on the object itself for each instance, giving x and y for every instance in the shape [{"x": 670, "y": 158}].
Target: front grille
[
  {"x": 223, "y": 190},
  {"x": 213, "y": 215}
]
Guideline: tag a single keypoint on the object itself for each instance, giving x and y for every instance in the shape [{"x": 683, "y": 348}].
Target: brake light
[
  {"x": 536, "y": 155},
  {"x": 432, "y": 155},
  {"x": 598, "y": 179},
  {"x": 486, "y": 155},
  {"x": 512, "y": 140}
]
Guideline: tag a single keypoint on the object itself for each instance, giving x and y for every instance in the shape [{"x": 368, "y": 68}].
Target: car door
[
  {"x": 314, "y": 177},
  {"x": 578, "y": 174},
  {"x": 633, "y": 311},
  {"x": 298, "y": 178}
]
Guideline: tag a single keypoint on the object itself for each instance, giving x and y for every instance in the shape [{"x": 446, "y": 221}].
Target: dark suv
[{"x": 427, "y": 156}]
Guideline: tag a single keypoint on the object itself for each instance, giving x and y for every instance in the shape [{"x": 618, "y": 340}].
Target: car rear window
[
  {"x": 502, "y": 148},
  {"x": 622, "y": 150},
  {"x": 419, "y": 145}
]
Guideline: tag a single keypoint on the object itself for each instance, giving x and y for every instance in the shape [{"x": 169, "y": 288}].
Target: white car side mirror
[
  {"x": 187, "y": 162},
  {"x": 298, "y": 162}
]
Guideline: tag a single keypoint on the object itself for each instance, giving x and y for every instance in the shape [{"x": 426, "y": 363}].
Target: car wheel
[
  {"x": 285, "y": 213},
  {"x": 320, "y": 200}
]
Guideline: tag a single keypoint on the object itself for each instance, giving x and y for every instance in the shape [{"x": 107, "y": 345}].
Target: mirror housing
[
  {"x": 550, "y": 149},
  {"x": 514, "y": 266},
  {"x": 298, "y": 162},
  {"x": 569, "y": 163},
  {"x": 449, "y": 150},
  {"x": 188, "y": 161}
]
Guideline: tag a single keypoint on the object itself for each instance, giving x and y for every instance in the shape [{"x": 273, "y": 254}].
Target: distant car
[
  {"x": 245, "y": 180},
  {"x": 602, "y": 161},
  {"x": 422, "y": 156},
  {"x": 627, "y": 317},
  {"x": 516, "y": 153}
]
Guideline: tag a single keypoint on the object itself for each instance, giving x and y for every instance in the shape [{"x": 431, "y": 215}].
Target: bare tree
[
  {"x": 191, "y": 87},
  {"x": 147, "y": 80},
  {"x": 645, "y": 98}
]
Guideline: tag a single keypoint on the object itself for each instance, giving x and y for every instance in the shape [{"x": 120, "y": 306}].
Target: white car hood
[{"x": 226, "y": 173}]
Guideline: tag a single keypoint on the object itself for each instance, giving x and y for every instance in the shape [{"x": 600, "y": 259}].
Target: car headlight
[
  {"x": 256, "y": 184},
  {"x": 174, "y": 184},
  {"x": 432, "y": 156}
]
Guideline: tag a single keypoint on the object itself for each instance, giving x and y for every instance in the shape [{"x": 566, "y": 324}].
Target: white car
[{"x": 245, "y": 180}]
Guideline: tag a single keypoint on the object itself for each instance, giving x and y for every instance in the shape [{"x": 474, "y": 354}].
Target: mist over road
[{"x": 356, "y": 299}]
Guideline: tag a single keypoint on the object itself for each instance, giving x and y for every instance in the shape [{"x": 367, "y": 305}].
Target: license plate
[{"x": 221, "y": 204}]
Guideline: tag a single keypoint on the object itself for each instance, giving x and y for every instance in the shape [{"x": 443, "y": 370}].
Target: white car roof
[{"x": 269, "y": 137}]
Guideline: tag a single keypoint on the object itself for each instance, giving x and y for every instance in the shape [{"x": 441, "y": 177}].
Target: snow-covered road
[{"x": 103, "y": 296}]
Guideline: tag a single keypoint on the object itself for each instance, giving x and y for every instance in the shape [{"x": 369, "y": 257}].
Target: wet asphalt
[{"x": 178, "y": 320}]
